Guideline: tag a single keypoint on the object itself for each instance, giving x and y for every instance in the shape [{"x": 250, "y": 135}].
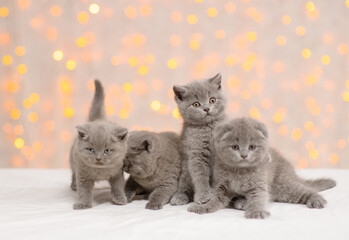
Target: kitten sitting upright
[
  {"x": 97, "y": 154},
  {"x": 153, "y": 161},
  {"x": 246, "y": 166},
  {"x": 201, "y": 104}
]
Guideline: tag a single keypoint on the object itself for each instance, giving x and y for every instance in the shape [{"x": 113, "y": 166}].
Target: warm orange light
[
  {"x": 56, "y": 10},
  {"x": 123, "y": 113},
  {"x": 143, "y": 70},
  {"x": 58, "y": 55},
  {"x": 82, "y": 17},
  {"x": 19, "y": 143},
  {"x": 4, "y": 12},
  {"x": 145, "y": 10},
  {"x": 22, "y": 69},
  {"x": 33, "y": 117},
  {"x": 70, "y": 64},
  {"x": 251, "y": 36},
  {"x": 20, "y": 51},
  {"x": 212, "y": 12},
  {"x": 175, "y": 113},
  {"x": 286, "y": 20},
  {"x": 155, "y": 105},
  {"x": 306, "y": 53},
  {"x": 192, "y": 19},
  {"x": 300, "y": 30},
  {"x": 172, "y": 63},
  {"x": 130, "y": 12},
  {"x": 7, "y": 60},
  {"x": 94, "y": 8},
  {"x": 220, "y": 34},
  {"x": 296, "y": 134},
  {"x": 68, "y": 112},
  {"x": 127, "y": 87}
]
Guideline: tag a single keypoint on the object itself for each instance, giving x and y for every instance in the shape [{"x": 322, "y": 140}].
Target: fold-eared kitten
[
  {"x": 246, "y": 166},
  {"x": 97, "y": 154},
  {"x": 201, "y": 105},
  {"x": 153, "y": 161}
]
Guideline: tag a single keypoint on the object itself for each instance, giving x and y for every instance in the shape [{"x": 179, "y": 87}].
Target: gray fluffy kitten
[
  {"x": 153, "y": 161},
  {"x": 247, "y": 166},
  {"x": 97, "y": 154},
  {"x": 201, "y": 105}
]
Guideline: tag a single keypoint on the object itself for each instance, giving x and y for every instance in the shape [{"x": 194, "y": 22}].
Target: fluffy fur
[
  {"x": 246, "y": 166},
  {"x": 201, "y": 105},
  {"x": 97, "y": 154},
  {"x": 153, "y": 161}
]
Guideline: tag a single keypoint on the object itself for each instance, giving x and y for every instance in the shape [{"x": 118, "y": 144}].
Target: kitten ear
[
  {"x": 120, "y": 134},
  {"x": 221, "y": 132},
  {"x": 216, "y": 81},
  {"x": 262, "y": 128},
  {"x": 82, "y": 131},
  {"x": 148, "y": 145},
  {"x": 180, "y": 92}
]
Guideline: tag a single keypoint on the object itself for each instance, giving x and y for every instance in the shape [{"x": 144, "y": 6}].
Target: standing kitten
[
  {"x": 201, "y": 104},
  {"x": 246, "y": 166},
  {"x": 153, "y": 161},
  {"x": 97, "y": 154}
]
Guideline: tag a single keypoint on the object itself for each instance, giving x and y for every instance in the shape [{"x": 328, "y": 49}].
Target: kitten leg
[
  {"x": 257, "y": 201},
  {"x": 200, "y": 173},
  {"x": 117, "y": 184},
  {"x": 296, "y": 192},
  {"x": 85, "y": 187},
  {"x": 73, "y": 182},
  {"x": 160, "y": 196},
  {"x": 132, "y": 188},
  {"x": 219, "y": 201},
  {"x": 185, "y": 189}
]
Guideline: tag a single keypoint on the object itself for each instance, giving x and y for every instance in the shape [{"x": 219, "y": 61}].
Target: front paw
[
  {"x": 154, "y": 205},
  {"x": 316, "y": 202},
  {"x": 257, "y": 214},
  {"x": 79, "y": 206},
  {"x": 179, "y": 199},
  {"x": 239, "y": 203},
  {"x": 73, "y": 186},
  {"x": 202, "y": 197},
  {"x": 199, "y": 209},
  {"x": 119, "y": 200},
  {"x": 129, "y": 196}
]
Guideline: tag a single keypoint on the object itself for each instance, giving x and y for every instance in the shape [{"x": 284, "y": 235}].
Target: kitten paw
[
  {"x": 257, "y": 214},
  {"x": 179, "y": 199},
  {"x": 316, "y": 202},
  {"x": 153, "y": 206},
  {"x": 129, "y": 196},
  {"x": 202, "y": 197},
  {"x": 120, "y": 200},
  {"x": 239, "y": 203},
  {"x": 199, "y": 209},
  {"x": 79, "y": 206},
  {"x": 73, "y": 186}
]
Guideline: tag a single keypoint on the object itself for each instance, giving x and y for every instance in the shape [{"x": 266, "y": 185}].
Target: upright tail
[
  {"x": 320, "y": 184},
  {"x": 97, "y": 110}
]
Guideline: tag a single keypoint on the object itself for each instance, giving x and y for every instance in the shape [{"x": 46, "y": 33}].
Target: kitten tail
[
  {"x": 320, "y": 184},
  {"x": 97, "y": 110}
]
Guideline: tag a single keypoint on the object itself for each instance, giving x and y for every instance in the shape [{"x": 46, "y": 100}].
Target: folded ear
[
  {"x": 179, "y": 92},
  {"x": 83, "y": 132},
  {"x": 120, "y": 134},
  {"x": 148, "y": 145},
  {"x": 262, "y": 128},
  {"x": 220, "y": 132},
  {"x": 216, "y": 81}
]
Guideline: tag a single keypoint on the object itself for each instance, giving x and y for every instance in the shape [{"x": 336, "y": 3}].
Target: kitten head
[
  {"x": 102, "y": 144},
  {"x": 242, "y": 142},
  {"x": 201, "y": 101},
  {"x": 142, "y": 154}
]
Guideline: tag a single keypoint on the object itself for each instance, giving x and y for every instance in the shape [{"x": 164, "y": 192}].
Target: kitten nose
[
  {"x": 243, "y": 156},
  {"x": 207, "y": 109},
  {"x": 98, "y": 159}
]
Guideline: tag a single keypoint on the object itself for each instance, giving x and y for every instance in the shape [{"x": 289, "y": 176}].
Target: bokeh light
[{"x": 293, "y": 77}]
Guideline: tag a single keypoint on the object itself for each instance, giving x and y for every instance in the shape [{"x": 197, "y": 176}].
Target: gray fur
[
  {"x": 247, "y": 171},
  {"x": 200, "y": 115},
  {"x": 97, "y": 154},
  {"x": 153, "y": 161}
]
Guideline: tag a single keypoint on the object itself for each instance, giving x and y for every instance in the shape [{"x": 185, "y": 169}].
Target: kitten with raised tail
[
  {"x": 201, "y": 105},
  {"x": 153, "y": 161},
  {"x": 247, "y": 167},
  {"x": 97, "y": 154}
]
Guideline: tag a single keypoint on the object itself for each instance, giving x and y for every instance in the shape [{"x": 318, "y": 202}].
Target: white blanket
[{"x": 37, "y": 204}]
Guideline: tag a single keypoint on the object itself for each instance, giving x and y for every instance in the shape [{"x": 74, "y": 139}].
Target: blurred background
[{"x": 283, "y": 62}]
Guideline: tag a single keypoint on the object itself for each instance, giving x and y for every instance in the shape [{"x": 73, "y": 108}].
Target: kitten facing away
[
  {"x": 153, "y": 161},
  {"x": 97, "y": 154},
  {"x": 201, "y": 105},
  {"x": 246, "y": 166}
]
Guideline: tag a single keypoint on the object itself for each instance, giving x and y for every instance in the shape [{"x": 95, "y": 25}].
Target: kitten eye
[
  {"x": 196, "y": 104},
  {"x": 252, "y": 147},
  {"x": 236, "y": 147},
  {"x": 107, "y": 151},
  {"x": 212, "y": 100},
  {"x": 91, "y": 150}
]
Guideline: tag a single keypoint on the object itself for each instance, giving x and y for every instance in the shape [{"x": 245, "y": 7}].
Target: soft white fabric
[{"x": 37, "y": 204}]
